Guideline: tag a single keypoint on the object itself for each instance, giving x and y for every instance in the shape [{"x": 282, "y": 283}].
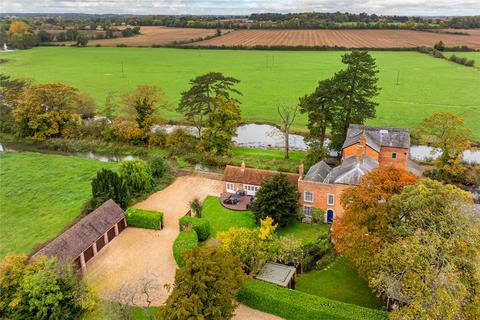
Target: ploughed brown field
[
  {"x": 154, "y": 36},
  {"x": 344, "y": 38}
]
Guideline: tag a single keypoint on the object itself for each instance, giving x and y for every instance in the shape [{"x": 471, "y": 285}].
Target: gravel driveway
[{"x": 139, "y": 257}]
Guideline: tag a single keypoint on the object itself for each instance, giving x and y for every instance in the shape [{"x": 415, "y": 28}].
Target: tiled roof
[
  {"x": 318, "y": 172},
  {"x": 351, "y": 170},
  {"x": 377, "y": 137},
  {"x": 254, "y": 176},
  {"x": 82, "y": 234}
]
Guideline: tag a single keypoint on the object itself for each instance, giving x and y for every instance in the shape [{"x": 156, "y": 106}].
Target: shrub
[
  {"x": 196, "y": 207},
  {"x": 158, "y": 167},
  {"x": 144, "y": 218},
  {"x": 201, "y": 226},
  {"x": 137, "y": 176},
  {"x": 180, "y": 142},
  {"x": 293, "y": 304},
  {"x": 318, "y": 215},
  {"x": 326, "y": 260},
  {"x": 109, "y": 185},
  {"x": 186, "y": 241}
]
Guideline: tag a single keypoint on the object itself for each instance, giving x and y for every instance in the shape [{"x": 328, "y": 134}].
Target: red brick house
[{"x": 365, "y": 148}]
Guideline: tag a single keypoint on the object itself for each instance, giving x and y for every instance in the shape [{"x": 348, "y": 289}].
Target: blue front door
[{"x": 329, "y": 216}]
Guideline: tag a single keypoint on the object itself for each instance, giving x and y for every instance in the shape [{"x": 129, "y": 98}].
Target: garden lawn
[
  {"x": 222, "y": 219},
  {"x": 267, "y": 158},
  {"x": 338, "y": 282},
  {"x": 414, "y": 85},
  {"x": 304, "y": 232},
  {"x": 39, "y": 195}
]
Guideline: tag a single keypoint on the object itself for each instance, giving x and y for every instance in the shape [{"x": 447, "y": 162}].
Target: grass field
[
  {"x": 39, "y": 195},
  {"x": 425, "y": 85},
  {"x": 222, "y": 219},
  {"x": 339, "y": 282}
]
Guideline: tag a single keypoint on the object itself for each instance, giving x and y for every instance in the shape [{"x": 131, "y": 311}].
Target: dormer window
[{"x": 394, "y": 155}]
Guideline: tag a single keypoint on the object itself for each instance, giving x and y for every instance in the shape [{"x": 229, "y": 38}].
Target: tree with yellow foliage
[
  {"x": 267, "y": 228},
  {"x": 20, "y": 35},
  {"x": 46, "y": 110}
]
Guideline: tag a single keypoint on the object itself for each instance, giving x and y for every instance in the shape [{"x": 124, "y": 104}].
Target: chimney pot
[
  {"x": 243, "y": 166},
  {"x": 301, "y": 169}
]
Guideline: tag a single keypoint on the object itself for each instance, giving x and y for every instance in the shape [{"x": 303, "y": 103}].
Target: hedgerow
[
  {"x": 201, "y": 226},
  {"x": 144, "y": 218},
  {"x": 185, "y": 241},
  {"x": 297, "y": 305}
]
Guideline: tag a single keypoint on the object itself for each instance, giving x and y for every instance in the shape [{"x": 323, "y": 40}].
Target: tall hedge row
[
  {"x": 201, "y": 226},
  {"x": 185, "y": 241},
  {"x": 297, "y": 305},
  {"x": 144, "y": 218}
]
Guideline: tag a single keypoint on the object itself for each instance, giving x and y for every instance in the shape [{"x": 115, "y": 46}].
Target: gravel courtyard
[{"x": 140, "y": 256}]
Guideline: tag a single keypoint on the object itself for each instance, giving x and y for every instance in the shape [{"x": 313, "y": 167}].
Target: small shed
[
  {"x": 82, "y": 241},
  {"x": 279, "y": 274}
]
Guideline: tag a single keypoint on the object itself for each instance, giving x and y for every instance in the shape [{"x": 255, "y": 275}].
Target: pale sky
[{"x": 387, "y": 7}]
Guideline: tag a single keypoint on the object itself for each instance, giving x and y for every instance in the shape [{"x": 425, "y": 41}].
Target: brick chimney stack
[
  {"x": 361, "y": 147},
  {"x": 242, "y": 166},
  {"x": 301, "y": 169}
]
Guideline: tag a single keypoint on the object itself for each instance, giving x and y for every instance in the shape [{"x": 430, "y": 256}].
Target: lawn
[
  {"x": 39, "y": 195},
  {"x": 267, "y": 159},
  {"x": 304, "y": 232},
  {"x": 413, "y": 85},
  {"x": 222, "y": 219},
  {"x": 339, "y": 282}
]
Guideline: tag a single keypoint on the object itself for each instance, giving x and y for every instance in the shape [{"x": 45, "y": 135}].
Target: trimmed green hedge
[
  {"x": 144, "y": 218},
  {"x": 185, "y": 241},
  {"x": 201, "y": 226},
  {"x": 297, "y": 305}
]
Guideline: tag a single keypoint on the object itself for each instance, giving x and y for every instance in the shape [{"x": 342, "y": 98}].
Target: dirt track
[{"x": 138, "y": 254}]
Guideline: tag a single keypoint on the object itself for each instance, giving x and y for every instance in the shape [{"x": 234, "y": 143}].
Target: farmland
[
  {"x": 341, "y": 38},
  {"x": 413, "y": 85},
  {"x": 40, "y": 194},
  {"x": 154, "y": 36}
]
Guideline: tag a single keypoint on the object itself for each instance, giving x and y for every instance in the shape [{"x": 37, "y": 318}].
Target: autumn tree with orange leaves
[{"x": 362, "y": 229}]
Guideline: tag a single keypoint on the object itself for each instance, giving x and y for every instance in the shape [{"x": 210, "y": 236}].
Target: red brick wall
[
  {"x": 352, "y": 150},
  {"x": 385, "y": 158},
  {"x": 320, "y": 195}
]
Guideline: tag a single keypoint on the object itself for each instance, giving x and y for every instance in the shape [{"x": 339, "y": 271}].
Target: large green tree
[
  {"x": 355, "y": 88},
  {"x": 223, "y": 120},
  {"x": 205, "y": 288},
  {"x": 277, "y": 198},
  {"x": 197, "y": 101}
]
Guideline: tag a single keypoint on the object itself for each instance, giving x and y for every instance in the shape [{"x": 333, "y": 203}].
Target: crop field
[
  {"x": 341, "y": 38},
  {"x": 154, "y": 36},
  {"x": 40, "y": 194},
  {"x": 413, "y": 85}
]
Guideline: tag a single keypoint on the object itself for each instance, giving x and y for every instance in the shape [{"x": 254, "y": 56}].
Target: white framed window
[
  {"x": 308, "y": 196},
  {"x": 230, "y": 187},
  {"x": 307, "y": 211},
  {"x": 330, "y": 199}
]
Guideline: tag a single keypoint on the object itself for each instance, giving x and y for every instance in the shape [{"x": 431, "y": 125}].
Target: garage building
[{"x": 87, "y": 237}]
